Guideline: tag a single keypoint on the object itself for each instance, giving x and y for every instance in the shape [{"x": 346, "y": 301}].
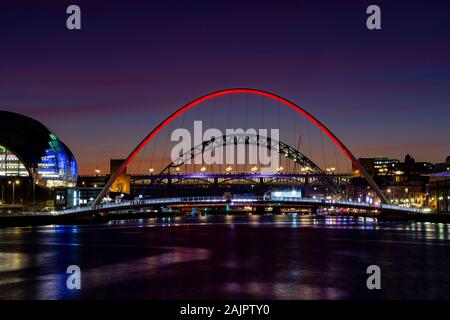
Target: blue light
[{"x": 57, "y": 168}]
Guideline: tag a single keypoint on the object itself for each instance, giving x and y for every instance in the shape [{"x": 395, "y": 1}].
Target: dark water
[{"x": 218, "y": 257}]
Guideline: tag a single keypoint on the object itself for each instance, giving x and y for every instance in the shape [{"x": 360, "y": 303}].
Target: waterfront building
[{"x": 32, "y": 157}]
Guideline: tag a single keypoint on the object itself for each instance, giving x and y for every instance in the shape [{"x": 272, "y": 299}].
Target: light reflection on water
[
  {"x": 426, "y": 230},
  {"x": 276, "y": 257}
]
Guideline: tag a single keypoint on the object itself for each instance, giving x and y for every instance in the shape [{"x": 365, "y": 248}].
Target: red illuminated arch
[{"x": 262, "y": 93}]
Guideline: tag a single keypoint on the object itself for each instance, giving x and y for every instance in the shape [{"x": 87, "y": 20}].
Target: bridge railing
[
  {"x": 321, "y": 200},
  {"x": 150, "y": 201},
  {"x": 350, "y": 203},
  {"x": 400, "y": 208},
  {"x": 172, "y": 200},
  {"x": 28, "y": 213},
  {"x": 238, "y": 198}
]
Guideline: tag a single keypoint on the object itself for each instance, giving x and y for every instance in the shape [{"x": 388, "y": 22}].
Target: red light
[{"x": 235, "y": 91}]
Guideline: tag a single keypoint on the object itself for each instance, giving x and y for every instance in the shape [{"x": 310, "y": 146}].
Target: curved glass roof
[
  {"x": 10, "y": 164},
  {"x": 29, "y": 148}
]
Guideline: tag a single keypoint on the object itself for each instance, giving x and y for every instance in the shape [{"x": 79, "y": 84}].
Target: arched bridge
[
  {"x": 283, "y": 102},
  {"x": 308, "y": 167}
]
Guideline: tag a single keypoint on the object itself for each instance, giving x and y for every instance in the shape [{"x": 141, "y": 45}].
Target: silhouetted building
[
  {"x": 442, "y": 167},
  {"x": 439, "y": 191},
  {"x": 439, "y": 187},
  {"x": 32, "y": 159},
  {"x": 89, "y": 186},
  {"x": 404, "y": 183}
]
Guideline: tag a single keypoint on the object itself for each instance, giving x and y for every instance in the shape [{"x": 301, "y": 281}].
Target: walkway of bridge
[
  {"x": 238, "y": 175},
  {"x": 235, "y": 201}
]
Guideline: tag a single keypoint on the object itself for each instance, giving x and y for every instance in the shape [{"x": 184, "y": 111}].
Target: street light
[
  {"x": 34, "y": 191},
  {"x": 14, "y": 189},
  {"x": 151, "y": 170},
  {"x": 203, "y": 169},
  {"x": 228, "y": 169}
]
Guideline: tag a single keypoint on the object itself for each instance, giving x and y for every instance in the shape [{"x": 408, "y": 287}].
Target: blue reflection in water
[{"x": 207, "y": 256}]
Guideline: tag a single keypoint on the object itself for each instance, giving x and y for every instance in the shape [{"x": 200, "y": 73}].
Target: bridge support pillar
[
  {"x": 259, "y": 210},
  {"x": 276, "y": 210}
]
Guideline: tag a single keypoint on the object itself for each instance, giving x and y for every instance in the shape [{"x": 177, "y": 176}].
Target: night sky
[{"x": 101, "y": 89}]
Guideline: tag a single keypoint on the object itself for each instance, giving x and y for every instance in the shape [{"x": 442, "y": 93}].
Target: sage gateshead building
[{"x": 29, "y": 150}]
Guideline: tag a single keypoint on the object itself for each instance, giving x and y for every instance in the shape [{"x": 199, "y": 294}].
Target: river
[{"x": 227, "y": 257}]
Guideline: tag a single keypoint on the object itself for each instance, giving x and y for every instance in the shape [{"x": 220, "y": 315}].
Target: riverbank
[{"x": 41, "y": 220}]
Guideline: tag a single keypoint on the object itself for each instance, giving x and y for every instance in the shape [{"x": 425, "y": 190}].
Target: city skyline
[
  {"x": 103, "y": 88},
  {"x": 224, "y": 158}
]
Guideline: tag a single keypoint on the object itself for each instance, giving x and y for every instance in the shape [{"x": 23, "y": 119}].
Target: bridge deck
[{"x": 236, "y": 201}]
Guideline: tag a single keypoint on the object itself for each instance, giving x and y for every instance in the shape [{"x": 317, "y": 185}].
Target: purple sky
[{"x": 103, "y": 88}]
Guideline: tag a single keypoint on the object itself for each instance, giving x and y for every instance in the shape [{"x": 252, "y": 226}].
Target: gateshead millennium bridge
[{"x": 310, "y": 176}]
